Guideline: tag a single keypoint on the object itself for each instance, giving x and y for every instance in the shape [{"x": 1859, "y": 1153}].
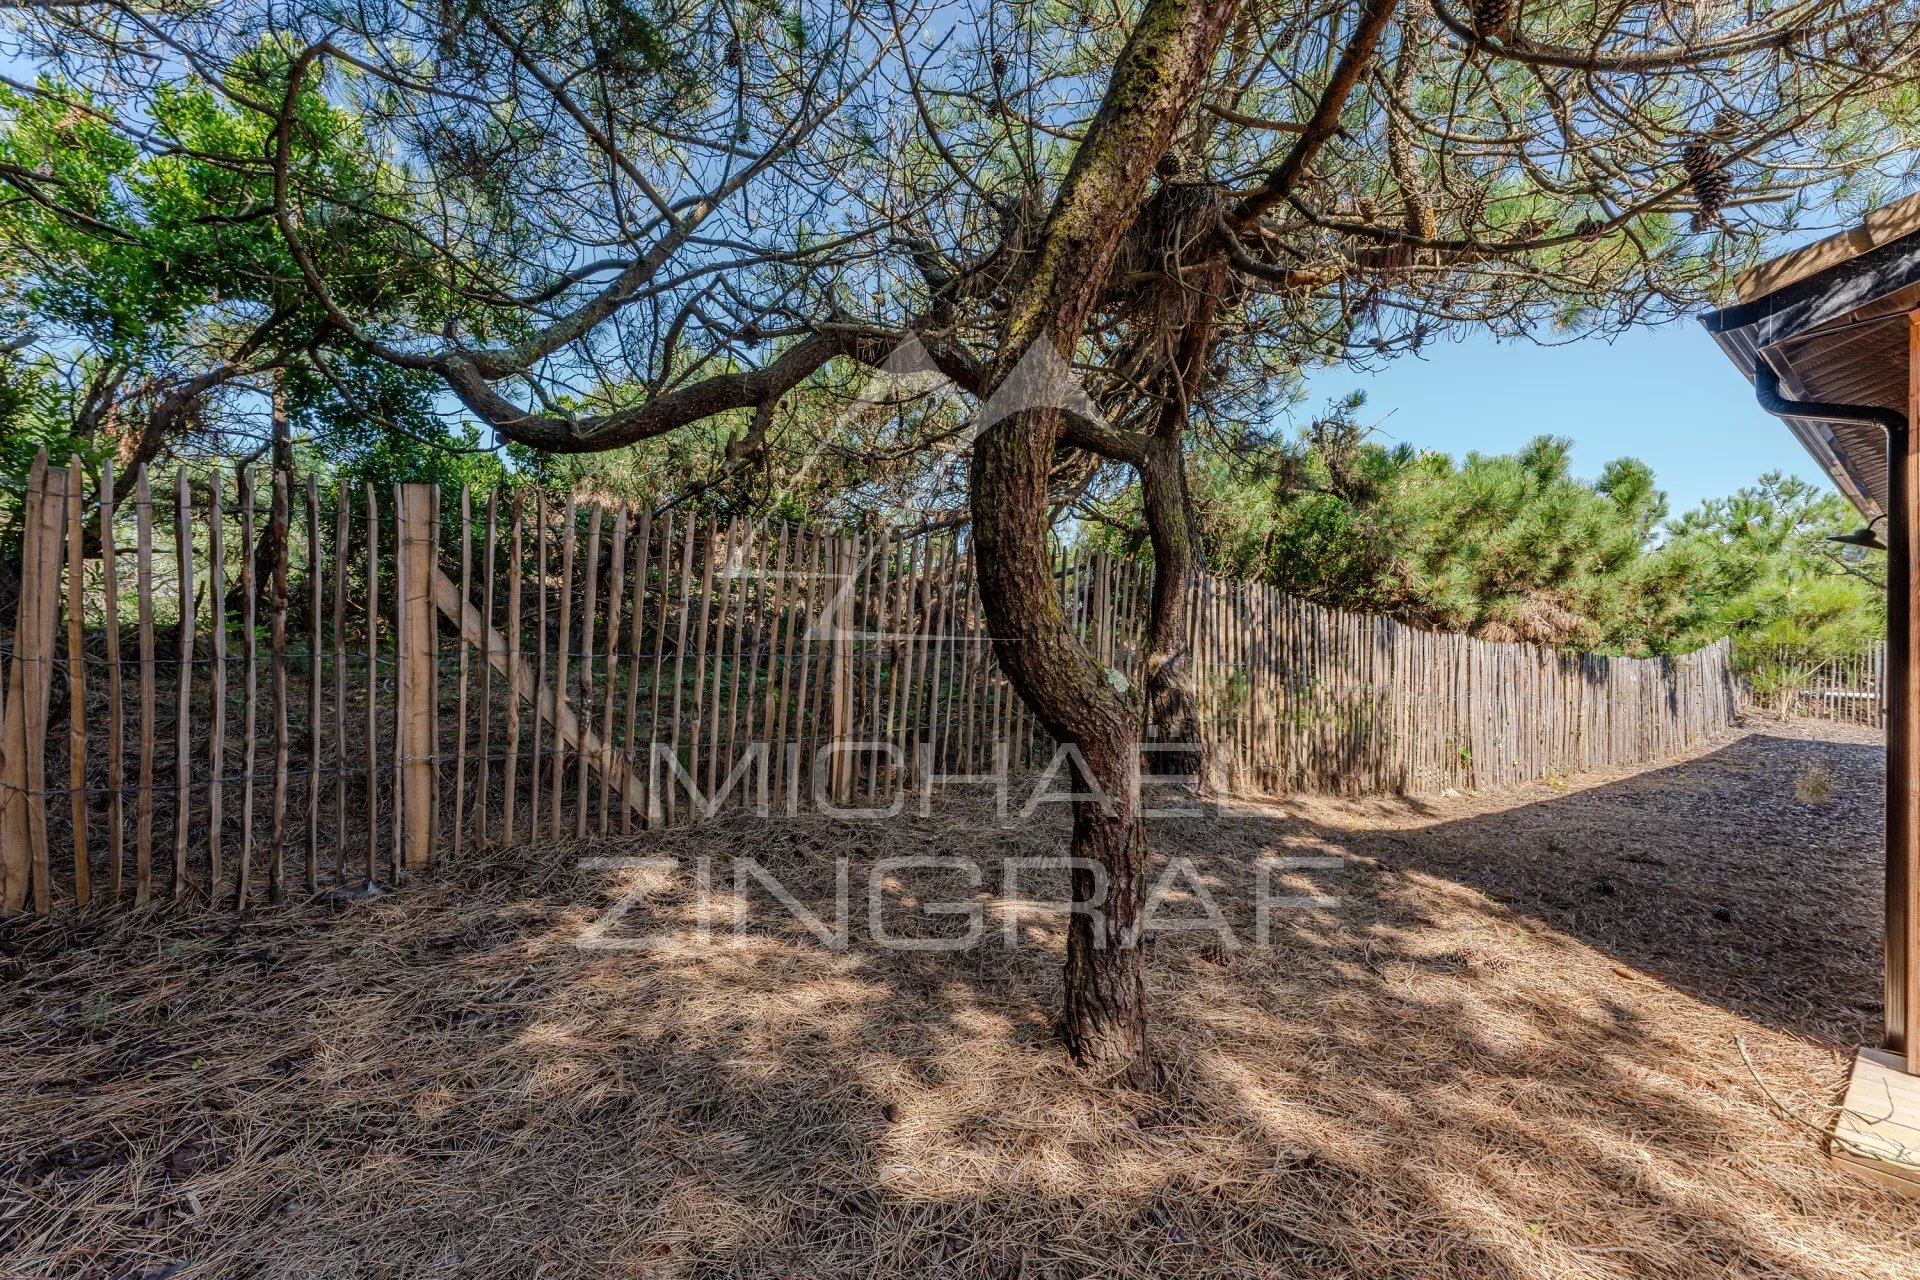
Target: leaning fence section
[{"x": 234, "y": 687}]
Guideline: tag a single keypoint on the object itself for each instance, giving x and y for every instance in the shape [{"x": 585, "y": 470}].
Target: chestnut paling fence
[
  {"x": 1844, "y": 690},
  {"x": 238, "y": 687}
]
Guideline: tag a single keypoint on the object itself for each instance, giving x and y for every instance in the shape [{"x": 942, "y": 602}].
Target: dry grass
[
  {"x": 1424, "y": 1082},
  {"x": 1813, "y": 784}
]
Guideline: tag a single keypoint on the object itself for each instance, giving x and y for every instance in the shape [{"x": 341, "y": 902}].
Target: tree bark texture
[{"x": 1154, "y": 81}]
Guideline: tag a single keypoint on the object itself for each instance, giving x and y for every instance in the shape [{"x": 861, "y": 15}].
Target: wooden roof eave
[{"x": 1816, "y": 331}]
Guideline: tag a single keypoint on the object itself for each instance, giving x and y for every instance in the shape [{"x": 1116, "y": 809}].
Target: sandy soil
[{"x": 1510, "y": 1045}]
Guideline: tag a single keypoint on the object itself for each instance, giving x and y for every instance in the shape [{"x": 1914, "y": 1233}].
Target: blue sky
[{"x": 1666, "y": 396}]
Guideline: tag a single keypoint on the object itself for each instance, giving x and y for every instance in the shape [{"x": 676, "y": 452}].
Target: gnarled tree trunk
[
  {"x": 1173, "y": 709},
  {"x": 1105, "y": 1016},
  {"x": 1154, "y": 82}
]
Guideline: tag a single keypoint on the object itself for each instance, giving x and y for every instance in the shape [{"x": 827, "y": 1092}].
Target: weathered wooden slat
[
  {"x": 143, "y": 578},
  {"x": 701, "y": 633},
  {"x": 460, "y": 700},
  {"x": 806, "y": 718},
  {"x": 654, "y": 734},
  {"x": 342, "y": 546},
  {"x": 589, "y": 608},
  {"x": 779, "y": 622},
  {"x": 918, "y": 658},
  {"x": 510, "y": 778},
  {"x": 616, "y": 593},
  {"x": 749, "y": 572},
  {"x": 642, "y": 557},
  {"x": 483, "y": 790},
  {"x": 116, "y": 712},
  {"x": 635, "y": 746},
  {"x": 77, "y": 714},
  {"x": 48, "y": 538},
  {"x": 776, "y": 624},
  {"x": 900, "y": 616},
  {"x": 402, "y": 696},
  {"x": 249, "y": 684},
  {"x": 963, "y": 749},
  {"x": 720, "y": 582},
  {"x": 876, "y": 583},
  {"x": 278, "y": 535},
  {"x": 941, "y": 690},
  {"x": 534, "y": 757},
  {"x": 435, "y": 798},
  {"x": 418, "y": 578},
  {"x": 370, "y": 770},
  {"x": 183, "y": 665},
  {"x": 847, "y": 557},
  {"x": 316, "y": 666},
  {"x": 561, "y": 655}
]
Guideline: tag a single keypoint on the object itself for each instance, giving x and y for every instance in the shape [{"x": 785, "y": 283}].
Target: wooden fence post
[
  {"x": 183, "y": 678},
  {"x": 23, "y": 747},
  {"x": 77, "y": 679},
  {"x": 416, "y": 622},
  {"x": 279, "y": 524},
  {"x": 116, "y": 729},
  {"x": 842, "y": 689}
]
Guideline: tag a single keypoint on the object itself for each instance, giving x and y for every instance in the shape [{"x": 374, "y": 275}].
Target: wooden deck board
[{"x": 1877, "y": 1134}]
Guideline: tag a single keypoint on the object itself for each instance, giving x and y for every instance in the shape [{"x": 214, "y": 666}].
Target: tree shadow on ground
[
  {"x": 1411, "y": 1082},
  {"x": 1712, "y": 874}
]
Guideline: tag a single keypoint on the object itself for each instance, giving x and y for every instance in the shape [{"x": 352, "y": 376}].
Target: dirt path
[
  {"x": 1507, "y": 1047},
  {"x": 1711, "y": 873}
]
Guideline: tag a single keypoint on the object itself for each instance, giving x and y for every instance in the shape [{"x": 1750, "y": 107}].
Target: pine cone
[
  {"x": 446, "y": 31},
  {"x": 733, "y": 51},
  {"x": 1707, "y": 176},
  {"x": 1495, "y": 18},
  {"x": 999, "y": 66}
]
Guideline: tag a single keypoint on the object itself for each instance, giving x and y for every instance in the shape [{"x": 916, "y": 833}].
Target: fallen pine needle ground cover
[{"x": 1515, "y": 1044}]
